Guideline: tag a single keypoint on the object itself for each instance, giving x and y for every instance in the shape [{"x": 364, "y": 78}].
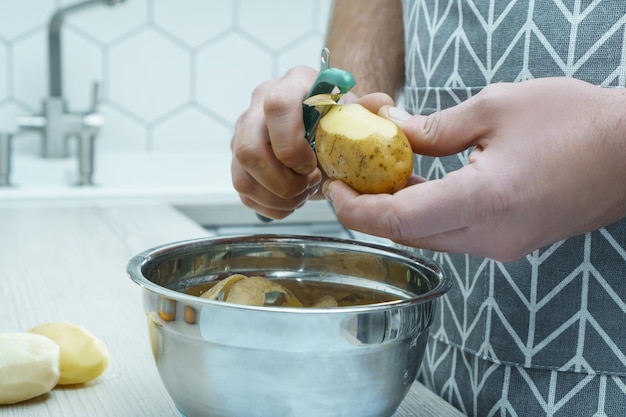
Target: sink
[
  {"x": 196, "y": 183},
  {"x": 161, "y": 174}
]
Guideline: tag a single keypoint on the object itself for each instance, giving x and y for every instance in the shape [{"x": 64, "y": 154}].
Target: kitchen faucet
[
  {"x": 5, "y": 159},
  {"x": 55, "y": 123}
]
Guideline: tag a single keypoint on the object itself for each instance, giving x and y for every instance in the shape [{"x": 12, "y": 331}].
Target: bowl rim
[{"x": 135, "y": 264}]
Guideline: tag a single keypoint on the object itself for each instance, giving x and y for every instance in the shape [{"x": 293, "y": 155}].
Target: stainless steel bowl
[{"x": 222, "y": 359}]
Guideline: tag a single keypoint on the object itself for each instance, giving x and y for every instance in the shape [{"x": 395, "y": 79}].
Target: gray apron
[{"x": 545, "y": 335}]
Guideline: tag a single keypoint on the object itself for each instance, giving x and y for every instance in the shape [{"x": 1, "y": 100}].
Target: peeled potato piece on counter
[
  {"x": 364, "y": 150},
  {"x": 29, "y": 366},
  {"x": 83, "y": 356}
]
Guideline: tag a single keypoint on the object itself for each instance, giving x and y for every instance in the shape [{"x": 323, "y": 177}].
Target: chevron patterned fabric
[{"x": 544, "y": 336}]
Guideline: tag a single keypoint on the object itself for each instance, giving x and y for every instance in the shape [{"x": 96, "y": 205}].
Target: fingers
[
  {"x": 463, "y": 212},
  {"x": 424, "y": 212},
  {"x": 386, "y": 215},
  {"x": 274, "y": 170},
  {"x": 373, "y": 102},
  {"x": 282, "y": 110},
  {"x": 266, "y": 202},
  {"x": 454, "y": 129}
]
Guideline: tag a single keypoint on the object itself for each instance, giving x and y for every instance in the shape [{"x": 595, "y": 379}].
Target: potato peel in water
[
  {"x": 255, "y": 291},
  {"x": 220, "y": 290},
  {"x": 288, "y": 292},
  {"x": 364, "y": 150}
]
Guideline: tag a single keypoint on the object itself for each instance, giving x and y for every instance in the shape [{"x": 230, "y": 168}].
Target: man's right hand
[{"x": 274, "y": 169}]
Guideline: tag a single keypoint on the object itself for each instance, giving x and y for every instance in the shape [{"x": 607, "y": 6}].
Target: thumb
[{"x": 442, "y": 133}]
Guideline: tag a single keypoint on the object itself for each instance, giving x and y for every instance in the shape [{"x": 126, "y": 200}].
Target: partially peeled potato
[{"x": 364, "y": 150}]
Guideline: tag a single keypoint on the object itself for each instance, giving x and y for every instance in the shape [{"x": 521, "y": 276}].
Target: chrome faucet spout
[{"x": 54, "y": 41}]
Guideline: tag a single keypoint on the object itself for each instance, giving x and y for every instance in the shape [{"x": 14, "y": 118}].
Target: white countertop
[{"x": 67, "y": 262}]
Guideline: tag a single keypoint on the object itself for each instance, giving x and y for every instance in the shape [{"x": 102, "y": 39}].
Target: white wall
[{"x": 174, "y": 74}]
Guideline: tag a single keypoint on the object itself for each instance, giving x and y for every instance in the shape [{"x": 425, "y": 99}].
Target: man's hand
[{"x": 549, "y": 163}]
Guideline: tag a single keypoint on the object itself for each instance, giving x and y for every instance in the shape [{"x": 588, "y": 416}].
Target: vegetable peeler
[{"x": 332, "y": 82}]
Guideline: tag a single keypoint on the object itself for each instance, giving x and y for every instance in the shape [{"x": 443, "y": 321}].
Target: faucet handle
[
  {"x": 5, "y": 159},
  {"x": 95, "y": 96},
  {"x": 31, "y": 122}
]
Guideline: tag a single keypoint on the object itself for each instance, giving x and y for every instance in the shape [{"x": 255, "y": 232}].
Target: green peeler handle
[{"x": 327, "y": 81}]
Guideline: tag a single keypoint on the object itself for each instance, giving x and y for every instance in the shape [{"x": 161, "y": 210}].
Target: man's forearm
[{"x": 366, "y": 38}]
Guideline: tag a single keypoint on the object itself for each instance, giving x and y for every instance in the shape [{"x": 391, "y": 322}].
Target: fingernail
[
  {"x": 316, "y": 182},
  {"x": 313, "y": 190},
  {"x": 398, "y": 114},
  {"x": 304, "y": 169},
  {"x": 326, "y": 190}
]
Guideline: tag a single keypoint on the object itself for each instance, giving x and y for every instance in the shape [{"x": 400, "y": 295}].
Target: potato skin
[{"x": 377, "y": 163}]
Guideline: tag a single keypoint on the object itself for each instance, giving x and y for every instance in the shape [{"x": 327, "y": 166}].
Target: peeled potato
[
  {"x": 83, "y": 356},
  {"x": 364, "y": 150},
  {"x": 29, "y": 366}
]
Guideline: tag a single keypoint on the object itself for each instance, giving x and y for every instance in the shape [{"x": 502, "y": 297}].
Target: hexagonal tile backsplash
[{"x": 173, "y": 74}]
